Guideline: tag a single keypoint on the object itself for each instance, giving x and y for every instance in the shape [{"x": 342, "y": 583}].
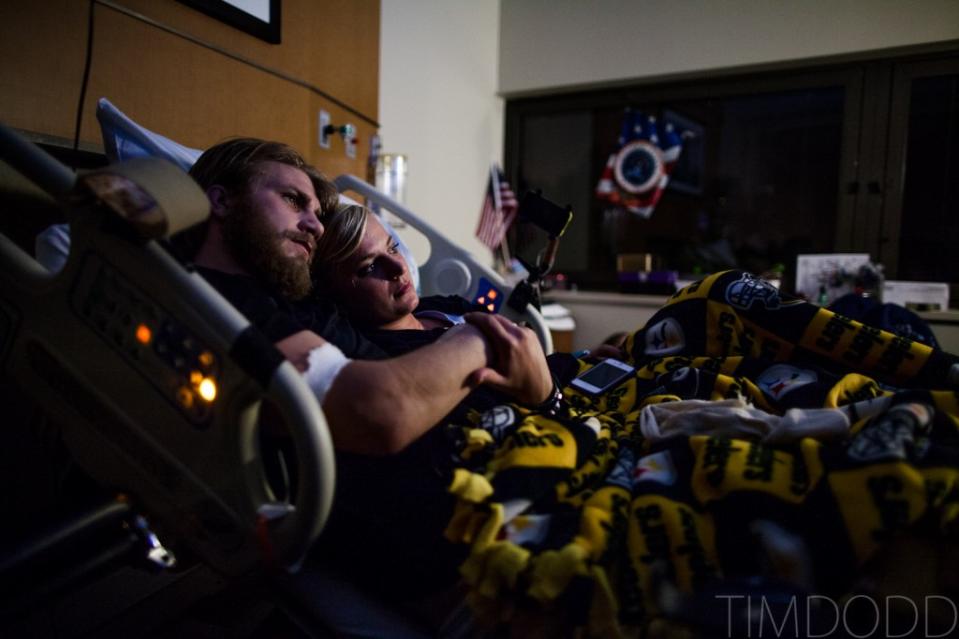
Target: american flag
[
  {"x": 664, "y": 141},
  {"x": 499, "y": 210}
]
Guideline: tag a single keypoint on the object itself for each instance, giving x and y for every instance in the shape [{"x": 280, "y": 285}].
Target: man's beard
[{"x": 259, "y": 249}]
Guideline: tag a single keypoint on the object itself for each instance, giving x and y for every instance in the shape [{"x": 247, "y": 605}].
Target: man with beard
[
  {"x": 266, "y": 207},
  {"x": 391, "y": 504}
]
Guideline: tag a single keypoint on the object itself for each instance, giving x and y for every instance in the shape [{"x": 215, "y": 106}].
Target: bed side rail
[{"x": 157, "y": 380}]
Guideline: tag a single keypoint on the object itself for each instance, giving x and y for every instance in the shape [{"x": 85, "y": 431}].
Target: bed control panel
[
  {"x": 183, "y": 369},
  {"x": 489, "y": 295}
]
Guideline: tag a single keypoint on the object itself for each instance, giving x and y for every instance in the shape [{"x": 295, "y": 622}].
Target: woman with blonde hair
[{"x": 358, "y": 265}]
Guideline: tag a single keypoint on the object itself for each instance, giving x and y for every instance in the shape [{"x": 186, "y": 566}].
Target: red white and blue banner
[
  {"x": 638, "y": 170},
  {"x": 498, "y": 212}
]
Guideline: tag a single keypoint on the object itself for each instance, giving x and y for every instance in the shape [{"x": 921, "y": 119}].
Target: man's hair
[{"x": 232, "y": 164}]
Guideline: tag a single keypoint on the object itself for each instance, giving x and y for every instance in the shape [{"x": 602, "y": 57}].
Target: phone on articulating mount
[
  {"x": 603, "y": 376},
  {"x": 553, "y": 219}
]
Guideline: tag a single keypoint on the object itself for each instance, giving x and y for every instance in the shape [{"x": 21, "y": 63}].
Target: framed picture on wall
[
  {"x": 687, "y": 176},
  {"x": 260, "y": 18}
]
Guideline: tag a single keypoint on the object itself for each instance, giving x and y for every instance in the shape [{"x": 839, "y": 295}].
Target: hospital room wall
[
  {"x": 193, "y": 91},
  {"x": 438, "y": 106},
  {"x": 551, "y": 44},
  {"x": 445, "y": 66}
]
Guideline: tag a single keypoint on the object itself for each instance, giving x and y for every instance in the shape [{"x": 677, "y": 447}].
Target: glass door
[{"x": 920, "y": 221}]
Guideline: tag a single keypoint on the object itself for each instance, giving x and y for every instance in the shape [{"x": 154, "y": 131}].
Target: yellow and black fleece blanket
[{"x": 597, "y": 514}]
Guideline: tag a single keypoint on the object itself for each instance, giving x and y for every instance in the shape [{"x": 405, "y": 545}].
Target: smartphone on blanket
[{"x": 603, "y": 376}]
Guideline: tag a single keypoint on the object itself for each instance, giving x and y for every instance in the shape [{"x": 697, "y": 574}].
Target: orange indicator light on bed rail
[
  {"x": 185, "y": 396},
  {"x": 144, "y": 334},
  {"x": 207, "y": 389},
  {"x": 492, "y": 294}
]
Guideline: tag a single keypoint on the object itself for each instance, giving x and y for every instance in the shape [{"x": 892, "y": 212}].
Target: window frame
[
  {"x": 893, "y": 177},
  {"x": 875, "y": 116}
]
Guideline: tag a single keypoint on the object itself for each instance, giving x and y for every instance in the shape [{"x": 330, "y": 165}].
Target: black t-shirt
[
  {"x": 385, "y": 528},
  {"x": 397, "y": 342},
  {"x": 278, "y": 318}
]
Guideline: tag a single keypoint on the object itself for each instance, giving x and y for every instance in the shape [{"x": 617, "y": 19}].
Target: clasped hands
[{"x": 518, "y": 367}]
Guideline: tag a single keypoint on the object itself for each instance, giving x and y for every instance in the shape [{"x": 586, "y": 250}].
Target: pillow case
[{"x": 124, "y": 139}]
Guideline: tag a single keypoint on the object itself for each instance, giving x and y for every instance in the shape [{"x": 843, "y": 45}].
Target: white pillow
[
  {"x": 124, "y": 139},
  {"x": 52, "y": 246}
]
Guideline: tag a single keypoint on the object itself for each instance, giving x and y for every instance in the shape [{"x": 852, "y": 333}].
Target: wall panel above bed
[{"x": 192, "y": 77}]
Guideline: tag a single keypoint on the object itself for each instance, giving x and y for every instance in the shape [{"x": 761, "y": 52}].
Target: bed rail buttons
[{"x": 152, "y": 341}]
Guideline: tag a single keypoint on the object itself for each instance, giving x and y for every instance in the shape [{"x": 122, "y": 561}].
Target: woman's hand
[{"x": 519, "y": 368}]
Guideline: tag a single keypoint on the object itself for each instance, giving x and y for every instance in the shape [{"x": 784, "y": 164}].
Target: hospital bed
[{"x": 156, "y": 385}]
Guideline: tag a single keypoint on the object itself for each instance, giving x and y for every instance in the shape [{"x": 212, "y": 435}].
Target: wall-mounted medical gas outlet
[
  {"x": 324, "y": 129},
  {"x": 349, "y": 140},
  {"x": 346, "y": 131}
]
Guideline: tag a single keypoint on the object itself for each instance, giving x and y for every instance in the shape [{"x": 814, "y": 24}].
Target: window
[
  {"x": 849, "y": 158},
  {"x": 920, "y": 187}
]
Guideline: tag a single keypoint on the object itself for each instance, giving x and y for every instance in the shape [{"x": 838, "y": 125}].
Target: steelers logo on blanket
[{"x": 613, "y": 514}]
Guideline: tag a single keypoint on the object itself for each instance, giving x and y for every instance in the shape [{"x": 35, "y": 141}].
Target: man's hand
[{"x": 520, "y": 368}]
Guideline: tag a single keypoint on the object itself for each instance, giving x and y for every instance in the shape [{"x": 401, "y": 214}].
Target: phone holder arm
[{"x": 554, "y": 220}]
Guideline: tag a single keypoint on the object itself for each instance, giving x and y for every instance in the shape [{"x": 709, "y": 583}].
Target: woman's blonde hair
[{"x": 343, "y": 232}]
